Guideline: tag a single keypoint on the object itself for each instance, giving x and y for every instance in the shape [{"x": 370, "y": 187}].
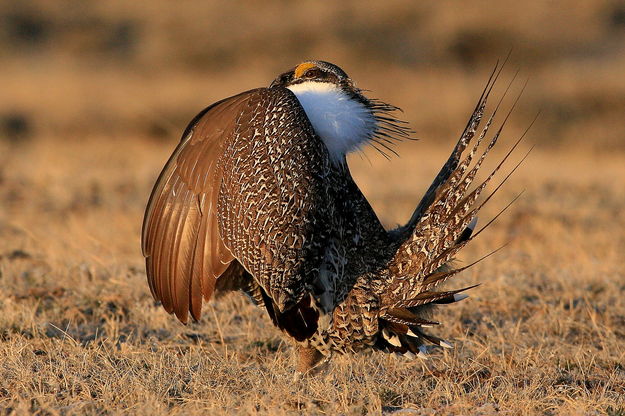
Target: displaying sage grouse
[{"x": 258, "y": 197}]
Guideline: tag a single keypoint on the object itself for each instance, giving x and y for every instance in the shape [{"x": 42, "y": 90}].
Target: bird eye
[{"x": 314, "y": 73}]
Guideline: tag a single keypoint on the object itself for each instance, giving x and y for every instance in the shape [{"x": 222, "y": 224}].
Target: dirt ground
[{"x": 94, "y": 98}]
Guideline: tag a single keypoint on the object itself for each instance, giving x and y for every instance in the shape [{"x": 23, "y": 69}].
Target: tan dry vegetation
[
  {"x": 81, "y": 334},
  {"x": 94, "y": 95}
]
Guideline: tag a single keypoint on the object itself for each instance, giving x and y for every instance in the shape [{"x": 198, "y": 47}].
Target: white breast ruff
[{"x": 342, "y": 122}]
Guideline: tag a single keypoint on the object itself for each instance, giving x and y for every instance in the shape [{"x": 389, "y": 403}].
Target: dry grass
[
  {"x": 81, "y": 334},
  {"x": 98, "y": 94}
]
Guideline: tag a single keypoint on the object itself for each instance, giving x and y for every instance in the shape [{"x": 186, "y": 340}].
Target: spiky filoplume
[{"x": 258, "y": 197}]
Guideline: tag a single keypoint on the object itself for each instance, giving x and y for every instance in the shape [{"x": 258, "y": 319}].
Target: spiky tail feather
[{"x": 442, "y": 225}]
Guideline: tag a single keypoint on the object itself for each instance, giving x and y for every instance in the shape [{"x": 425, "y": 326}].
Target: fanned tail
[{"x": 442, "y": 224}]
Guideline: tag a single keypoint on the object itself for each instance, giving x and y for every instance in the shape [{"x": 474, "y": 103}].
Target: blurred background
[{"x": 71, "y": 69}]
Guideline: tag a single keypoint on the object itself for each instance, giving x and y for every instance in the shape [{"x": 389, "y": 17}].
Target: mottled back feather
[{"x": 226, "y": 196}]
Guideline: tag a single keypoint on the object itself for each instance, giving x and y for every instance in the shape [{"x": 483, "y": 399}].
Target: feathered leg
[{"x": 309, "y": 359}]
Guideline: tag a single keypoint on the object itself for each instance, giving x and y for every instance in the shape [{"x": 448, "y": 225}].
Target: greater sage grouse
[{"x": 258, "y": 197}]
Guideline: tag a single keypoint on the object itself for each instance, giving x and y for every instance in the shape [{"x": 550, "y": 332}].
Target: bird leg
[{"x": 308, "y": 359}]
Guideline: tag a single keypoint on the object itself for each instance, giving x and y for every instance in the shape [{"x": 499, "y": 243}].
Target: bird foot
[{"x": 310, "y": 362}]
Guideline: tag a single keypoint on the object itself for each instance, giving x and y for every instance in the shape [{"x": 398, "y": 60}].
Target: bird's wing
[{"x": 243, "y": 188}]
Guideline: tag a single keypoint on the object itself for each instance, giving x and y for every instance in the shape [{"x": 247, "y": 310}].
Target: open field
[
  {"x": 93, "y": 100},
  {"x": 80, "y": 332}
]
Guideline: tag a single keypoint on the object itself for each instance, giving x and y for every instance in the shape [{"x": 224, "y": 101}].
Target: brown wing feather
[
  {"x": 180, "y": 240},
  {"x": 242, "y": 197}
]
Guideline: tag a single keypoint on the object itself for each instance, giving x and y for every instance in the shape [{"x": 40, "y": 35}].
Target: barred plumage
[{"x": 258, "y": 197}]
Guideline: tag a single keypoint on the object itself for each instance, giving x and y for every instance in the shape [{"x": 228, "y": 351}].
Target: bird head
[
  {"x": 339, "y": 112},
  {"x": 319, "y": 72}
]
